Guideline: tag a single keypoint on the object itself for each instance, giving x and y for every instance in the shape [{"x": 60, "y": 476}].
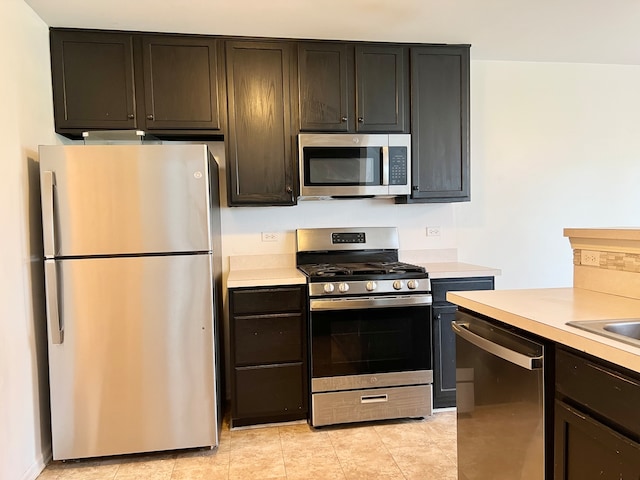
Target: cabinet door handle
[
  {"x": 343, "y": 119},
  {"x": 360, "y": 119},
  {"x": 150, "y": 116},
  {"x": 289, "y": 189},
  {"x": 131, "y": 116}
]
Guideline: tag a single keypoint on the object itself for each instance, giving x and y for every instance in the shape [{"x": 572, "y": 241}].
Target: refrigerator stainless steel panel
[
  {"x": 134, "y": 370},
  {"x": 125, "y": 199}
]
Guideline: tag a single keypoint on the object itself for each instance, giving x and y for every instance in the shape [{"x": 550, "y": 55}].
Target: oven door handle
[{"x": 359, "y": 303}]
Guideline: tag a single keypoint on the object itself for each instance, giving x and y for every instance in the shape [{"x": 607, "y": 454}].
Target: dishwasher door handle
[{"x": 525, "y": 361}]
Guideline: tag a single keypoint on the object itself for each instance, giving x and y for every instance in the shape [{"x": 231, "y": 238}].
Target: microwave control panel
[{"x": 397, "y": 165}]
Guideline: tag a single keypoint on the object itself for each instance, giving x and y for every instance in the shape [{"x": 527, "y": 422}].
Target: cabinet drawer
[
  {"x": 269, "y": 390},
  {"x": 266, "y": 300},
  {"x": 600, "y": 390},
  {"x": 440, "y": 287},
  {"x": 268, "y": 339}
]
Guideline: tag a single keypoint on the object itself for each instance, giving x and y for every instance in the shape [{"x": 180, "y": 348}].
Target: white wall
[
  {"x": 553, "y": 146},
  {"x": 26, "y": 120}
]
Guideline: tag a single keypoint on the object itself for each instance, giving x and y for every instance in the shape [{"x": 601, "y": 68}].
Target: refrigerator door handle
[
  {"x": 51, "y": 292},
  {"x": 48, "y": 214}
]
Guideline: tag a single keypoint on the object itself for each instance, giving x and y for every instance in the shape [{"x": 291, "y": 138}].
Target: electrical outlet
[
  {"x": 433, "y": 231},
  {"x": 589, "y": 257},
  {"x": 269, "y": 237}
]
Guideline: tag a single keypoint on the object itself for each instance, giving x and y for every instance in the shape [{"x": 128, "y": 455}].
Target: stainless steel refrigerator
[{"x": 132, "y": 271}]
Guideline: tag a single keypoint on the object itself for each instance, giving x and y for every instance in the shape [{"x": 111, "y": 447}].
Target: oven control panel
[
  {"x": 351, "y": 237},
  {"x": 413, "y": 286}
]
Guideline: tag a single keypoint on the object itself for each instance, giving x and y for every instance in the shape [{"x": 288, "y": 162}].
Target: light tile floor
[{"x": 402, "y": 450}]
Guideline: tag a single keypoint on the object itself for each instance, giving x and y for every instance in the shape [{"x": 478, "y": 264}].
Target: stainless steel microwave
[{"x": 351, "y": 165}]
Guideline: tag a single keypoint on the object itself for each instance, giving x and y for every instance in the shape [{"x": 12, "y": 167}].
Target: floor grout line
[{"x": 349, "y": 447}]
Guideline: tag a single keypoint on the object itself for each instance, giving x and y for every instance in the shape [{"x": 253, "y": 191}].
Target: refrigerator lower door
[{"x": 135, "y": 369}]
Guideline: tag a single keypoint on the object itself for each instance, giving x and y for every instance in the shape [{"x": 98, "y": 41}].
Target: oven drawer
[{"x": 375, "y": 404}]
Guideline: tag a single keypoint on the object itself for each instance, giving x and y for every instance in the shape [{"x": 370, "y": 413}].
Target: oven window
[
  {"x": 370, "y": 341},
  {"x": 342, "y": 166}
]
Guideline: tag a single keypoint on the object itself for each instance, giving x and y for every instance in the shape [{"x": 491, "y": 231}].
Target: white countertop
[
  {"x": 458, "y": 270},
  {"x": 264, "y": 277},
  {"x": 545, "y": 312}
]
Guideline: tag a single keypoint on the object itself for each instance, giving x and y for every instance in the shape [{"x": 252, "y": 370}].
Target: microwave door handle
[{"x": 385, "y": 165}]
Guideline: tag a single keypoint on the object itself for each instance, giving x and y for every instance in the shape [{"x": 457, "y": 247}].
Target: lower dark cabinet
[
  {"x": 597, "y": 419},
  {"x": 269, "y": 379},
  {"x": 444, "y": 342},
  {"x": 269, "y": 391},
  {"x": 444, "y": 357},
  {"x": 587, "y": 449}
]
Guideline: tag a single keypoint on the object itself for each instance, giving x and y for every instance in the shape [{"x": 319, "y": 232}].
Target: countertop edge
[
  {"x": 606, "y": 349},
  {"x": 438, "y": 270},
  {"x": 265, "y": 277}
]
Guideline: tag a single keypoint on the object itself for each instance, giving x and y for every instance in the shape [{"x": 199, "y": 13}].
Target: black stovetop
[{"x": 318, "y": 272}]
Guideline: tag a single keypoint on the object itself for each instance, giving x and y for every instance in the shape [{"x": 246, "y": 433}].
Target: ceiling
[{"x": 583, "y": 31}]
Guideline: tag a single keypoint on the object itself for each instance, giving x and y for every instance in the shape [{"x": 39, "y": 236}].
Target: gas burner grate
[{"x": 360, "y": 269}]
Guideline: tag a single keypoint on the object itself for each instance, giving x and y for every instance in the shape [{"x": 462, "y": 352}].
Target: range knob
[
  {"x": 371, "y": 286},
  {"x": 412, "y": 284},
  {"x": 343, "y": 287},
  {"x": 397, "y": 284},
  {"x": 328, "y": 288}
]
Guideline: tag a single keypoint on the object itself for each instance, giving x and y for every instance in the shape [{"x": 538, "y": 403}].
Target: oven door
[{"x": 370, "y": 342}]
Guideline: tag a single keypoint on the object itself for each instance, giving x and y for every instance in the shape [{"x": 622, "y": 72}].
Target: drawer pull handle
[{"x": 374, "y": 399}]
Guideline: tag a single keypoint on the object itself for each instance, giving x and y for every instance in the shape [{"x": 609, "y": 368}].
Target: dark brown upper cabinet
[
  {"x": 353, "y": 89},
  {"x": 260, "y": 142},
  {"x": 110, "y": 81},
  {"x": 440, "y": 124},
  {"x": 93, "y": 80},
  {"x": 181, "y": 83}
]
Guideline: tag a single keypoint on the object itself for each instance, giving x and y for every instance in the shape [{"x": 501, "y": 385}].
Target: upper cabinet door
[
  {"x": 382, "y": 89},
  {"x": 260, "y": 161},
  {"x": 93, "y": 82},
  {"x": 325, "y": 76},
  {"x": 181, "y": 83},
  {"x": 440, "y": 123}
]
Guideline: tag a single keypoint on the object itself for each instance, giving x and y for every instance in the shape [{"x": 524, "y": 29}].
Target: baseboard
[{"x": 38, "y": 466}]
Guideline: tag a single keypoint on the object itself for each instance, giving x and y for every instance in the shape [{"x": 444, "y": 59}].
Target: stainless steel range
[{"x": 370, "y": 326}]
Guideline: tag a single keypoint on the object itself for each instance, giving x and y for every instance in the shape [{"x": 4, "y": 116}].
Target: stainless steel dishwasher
[{"x": 500, "y": 402}]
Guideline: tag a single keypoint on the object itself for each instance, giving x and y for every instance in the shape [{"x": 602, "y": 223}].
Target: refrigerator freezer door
[
  {"x": 125, "y": 199},
  {"x": 135, "y": 369}
]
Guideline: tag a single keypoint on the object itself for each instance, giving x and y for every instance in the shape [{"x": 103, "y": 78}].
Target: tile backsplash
[{"x": 622, "y": 261}]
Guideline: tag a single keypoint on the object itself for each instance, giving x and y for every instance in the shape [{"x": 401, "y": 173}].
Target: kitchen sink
[{"x": 624, "y": 330}]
